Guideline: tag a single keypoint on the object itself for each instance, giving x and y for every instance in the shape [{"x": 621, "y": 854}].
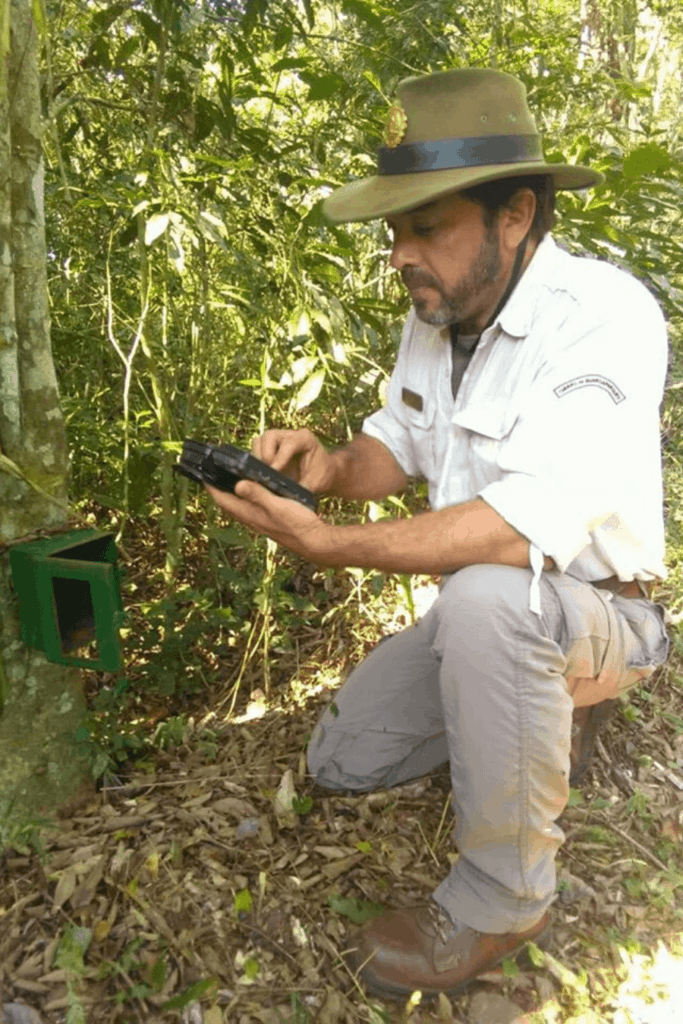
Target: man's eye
[{"x": 422, "y": 230}]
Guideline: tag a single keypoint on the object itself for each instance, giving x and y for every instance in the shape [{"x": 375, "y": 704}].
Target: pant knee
[
  {"x": 486, "y": 585},
  {"x": 326, "y": 759},
  {"x": 485, "y": 599},
  {"x": 329, "y": 767},
  {"x": 372, "y": 759}
]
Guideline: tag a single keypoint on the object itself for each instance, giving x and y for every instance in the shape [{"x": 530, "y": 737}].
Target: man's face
[{"x": 449, "y": 261}]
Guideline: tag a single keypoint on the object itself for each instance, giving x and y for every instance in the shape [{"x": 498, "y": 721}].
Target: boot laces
[{"x": 440, "y": 921}]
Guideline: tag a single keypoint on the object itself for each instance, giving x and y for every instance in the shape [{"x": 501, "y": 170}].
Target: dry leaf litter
[{"x": 203, "y": 872}]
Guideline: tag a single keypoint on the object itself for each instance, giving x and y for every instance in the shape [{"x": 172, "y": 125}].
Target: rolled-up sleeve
[
  {"x": 582, "y": 458},
  {"x": 390, "y": 425},
  {"x": 385, "y": 427}
]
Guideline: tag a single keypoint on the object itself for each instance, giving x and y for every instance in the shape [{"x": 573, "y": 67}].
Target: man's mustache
[{"x": 412, "y": 277}]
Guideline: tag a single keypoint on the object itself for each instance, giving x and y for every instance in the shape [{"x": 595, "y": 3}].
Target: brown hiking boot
[
  {"x": 402, "y": 951},
  {"x": 585, "y": 725}
]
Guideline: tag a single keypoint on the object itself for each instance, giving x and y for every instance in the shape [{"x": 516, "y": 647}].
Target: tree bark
[{"x": 42, "y": 703}]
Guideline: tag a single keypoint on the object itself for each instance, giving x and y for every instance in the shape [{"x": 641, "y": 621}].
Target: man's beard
[{"x": 457, "y": 303}]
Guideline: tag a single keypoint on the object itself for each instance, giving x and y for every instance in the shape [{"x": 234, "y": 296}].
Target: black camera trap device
[{"x": 223, "y": 466}]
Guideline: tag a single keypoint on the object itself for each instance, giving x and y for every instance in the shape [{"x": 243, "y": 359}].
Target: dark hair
[{"x": 493, "y": 195}]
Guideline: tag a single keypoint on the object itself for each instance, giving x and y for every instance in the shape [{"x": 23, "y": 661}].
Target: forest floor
[{"x": 190, "y": 885}]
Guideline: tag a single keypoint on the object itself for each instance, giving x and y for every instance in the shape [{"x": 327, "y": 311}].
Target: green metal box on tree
[{"x": 70, "y": 598}]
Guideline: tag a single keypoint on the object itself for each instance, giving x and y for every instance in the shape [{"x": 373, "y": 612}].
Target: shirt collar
[{"x": 516, "y": 316}]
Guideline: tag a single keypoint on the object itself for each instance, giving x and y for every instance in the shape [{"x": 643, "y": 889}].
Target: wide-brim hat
[{"x": 452, "y": 130}]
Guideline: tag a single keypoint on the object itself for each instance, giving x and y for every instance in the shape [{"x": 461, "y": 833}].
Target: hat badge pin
[{"x": 396, "y": 125}]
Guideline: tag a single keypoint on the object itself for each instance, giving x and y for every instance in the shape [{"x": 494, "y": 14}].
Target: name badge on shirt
[{"x": 412, "y": 399}]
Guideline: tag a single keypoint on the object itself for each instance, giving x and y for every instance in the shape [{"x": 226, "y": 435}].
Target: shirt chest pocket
[
  {"x": 420, "y": 423},
  {"x": 490, "y": 421},
  {"x": 488, "y": 427}
]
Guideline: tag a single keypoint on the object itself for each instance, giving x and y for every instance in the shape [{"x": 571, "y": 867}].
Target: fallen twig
[
  {"x": 251, "y": 928},
  {"x": 634, "y": 842}
]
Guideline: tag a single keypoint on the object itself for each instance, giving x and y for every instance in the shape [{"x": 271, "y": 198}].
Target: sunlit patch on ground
[{"x": 652, "y": 992}]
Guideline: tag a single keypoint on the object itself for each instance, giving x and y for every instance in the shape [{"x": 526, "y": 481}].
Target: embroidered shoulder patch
[{"x": 591, "y": 380}]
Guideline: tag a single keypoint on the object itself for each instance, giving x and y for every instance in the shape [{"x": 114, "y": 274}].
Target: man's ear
[{"x": 516, "y": 218}]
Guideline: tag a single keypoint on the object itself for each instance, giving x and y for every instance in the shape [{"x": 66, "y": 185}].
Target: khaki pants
[{"x": 484, "y": 683}]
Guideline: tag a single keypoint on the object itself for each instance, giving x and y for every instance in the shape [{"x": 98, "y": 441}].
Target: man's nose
[{"x": 402, "y": 253}]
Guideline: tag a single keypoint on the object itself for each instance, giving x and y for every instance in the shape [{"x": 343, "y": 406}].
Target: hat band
[{"x": 444, "y": 154}]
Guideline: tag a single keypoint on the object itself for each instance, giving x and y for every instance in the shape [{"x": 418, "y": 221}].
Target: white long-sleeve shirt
[{"x": 556, "y": 421}]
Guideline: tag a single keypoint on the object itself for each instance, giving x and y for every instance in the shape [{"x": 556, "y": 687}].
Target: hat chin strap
[{"x": 515, "y": 275}]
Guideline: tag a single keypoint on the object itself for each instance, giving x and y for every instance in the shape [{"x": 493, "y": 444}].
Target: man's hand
[
  {"x": 363, "y": 470},
  {"x": 299, "y": 455},
  {"x": 288, "y": 522},
  {"x": 432, "y": 542}
]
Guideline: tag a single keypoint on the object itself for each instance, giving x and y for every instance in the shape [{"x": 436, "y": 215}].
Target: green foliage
[
  {"x": 252, "y": 968},
  {"x": 171, "y": 627},
  {"x": 535, "y": 954},
  {"x": 598, "y": 834},
  {"x": 191, "y": 994},
  {"x": 174, "y": 730},
  {"x": 218, "y": 267},
  {"x": 634, "y": 887},
  {"x": 197, "y": 290},
  {"x": 357, "y": 910},
  {"x": 575, "y": 798},
  {"x": 243, "y": 901},
  {"x": 300, "y": 1013},
  {"x": 638, "y": 805},
  {"x": 510, "y": 968},
  {"x": 675, "y": 720},
  {"x": 302, "y": 804},
  {"x": 72, "y": 948},
  {"x": 158, "y": 973},
  {"x": 105, "y": 738},
  {"x": 153, "y": 974},
  {"x": 69, "y": 957},
  {"x": 18, "y": 832}
]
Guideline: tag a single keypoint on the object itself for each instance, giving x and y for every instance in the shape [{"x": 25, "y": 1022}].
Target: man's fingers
[
  {"x": 272, "y": 449},
  {"x": 266, "y": 446},
  {"x": 279, "y": 447},
  {"x": 249, "y": 503},
  {"x": 285, "y": 454},
  {"x": 224, "y": 499},
  {"x": 250, "y": 491}
]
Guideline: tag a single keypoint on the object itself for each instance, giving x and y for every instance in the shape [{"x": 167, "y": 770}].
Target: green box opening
[{"x": 69, "y": 598}]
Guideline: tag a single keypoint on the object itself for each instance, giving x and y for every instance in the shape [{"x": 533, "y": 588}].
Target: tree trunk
[{"x": 42, "y": 704}]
